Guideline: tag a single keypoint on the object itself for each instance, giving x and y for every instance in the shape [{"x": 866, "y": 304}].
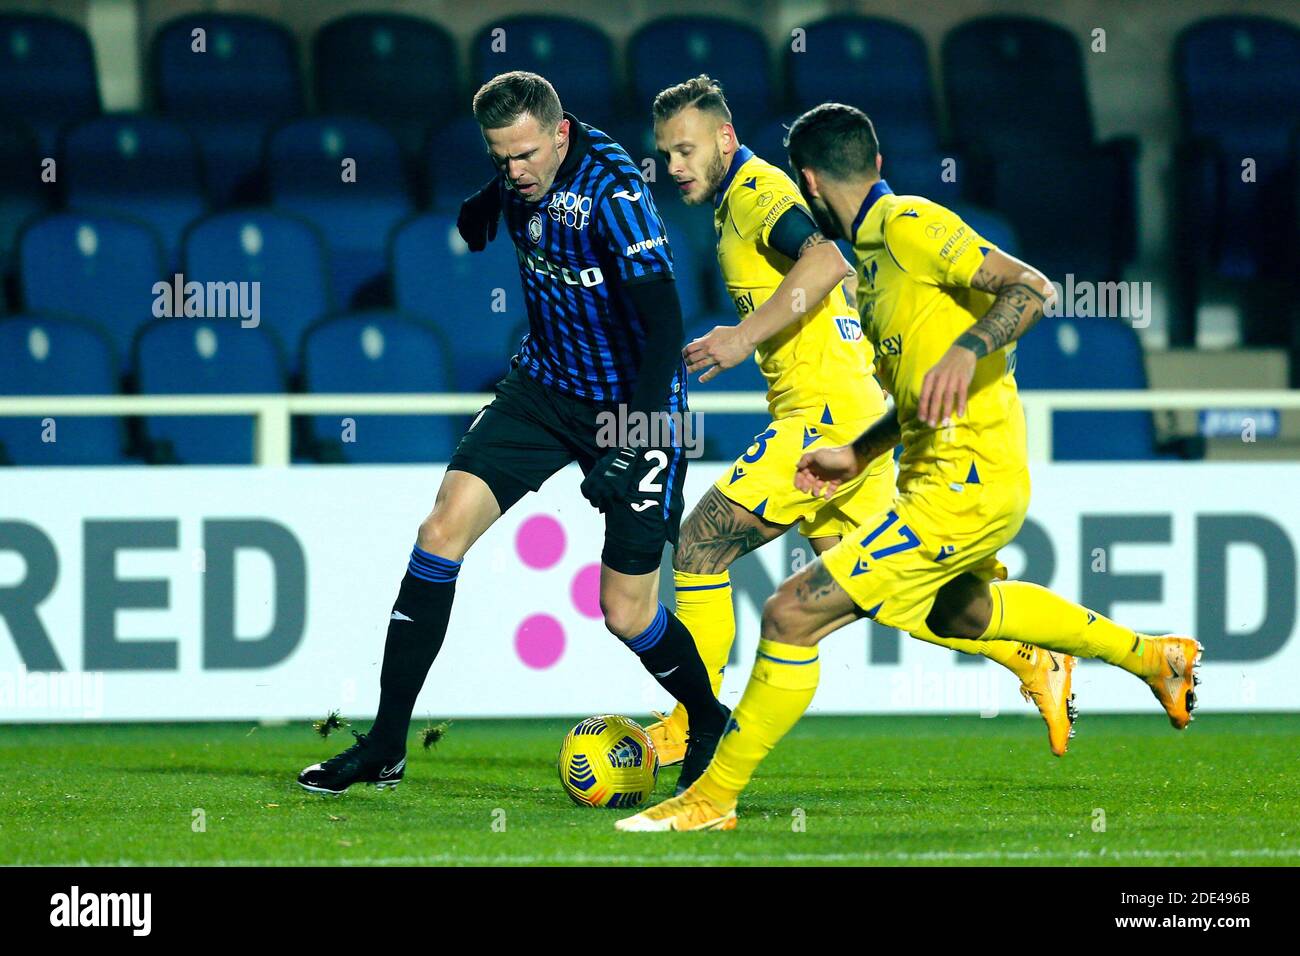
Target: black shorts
[{"x": 529, "y": 432}]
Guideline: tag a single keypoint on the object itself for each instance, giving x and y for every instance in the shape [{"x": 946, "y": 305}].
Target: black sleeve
[
  {"x": 655, "y": 302},
  {"x": 791, "y": 231}
]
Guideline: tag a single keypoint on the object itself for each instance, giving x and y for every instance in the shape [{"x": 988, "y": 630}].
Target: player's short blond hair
[
  {"x": 702, "y": 92},
  {"x": 507, "y": 96}
]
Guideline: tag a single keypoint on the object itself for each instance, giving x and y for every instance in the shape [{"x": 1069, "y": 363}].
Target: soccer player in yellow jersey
[
  {"x": 786, "y": 279},
  {"x": 943, "y": 308}
]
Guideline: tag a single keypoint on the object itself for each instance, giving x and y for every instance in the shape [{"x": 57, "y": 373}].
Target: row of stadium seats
[
  {"x": 1019, "y": 114},
  {"x": 108, "y": 267},
  {"x": 387, "y": 352},
  {"x": 326, "y": 243}
]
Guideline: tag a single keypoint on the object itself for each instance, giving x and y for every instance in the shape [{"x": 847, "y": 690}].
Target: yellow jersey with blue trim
[
  {"x": 915, "y": 261},
  {"x": 820, "y": 361}
]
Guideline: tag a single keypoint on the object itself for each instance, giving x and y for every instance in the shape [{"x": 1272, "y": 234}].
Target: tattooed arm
[
  {"x": 1022, "y": 292},
  {"x": 818, "y": 268}
]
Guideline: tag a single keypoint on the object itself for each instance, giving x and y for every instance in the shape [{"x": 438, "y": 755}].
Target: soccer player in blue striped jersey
[{"x": 603, "y": 346}]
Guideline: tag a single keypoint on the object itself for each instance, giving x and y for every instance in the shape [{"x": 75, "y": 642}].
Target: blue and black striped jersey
[{"x": 595, "y": 232}]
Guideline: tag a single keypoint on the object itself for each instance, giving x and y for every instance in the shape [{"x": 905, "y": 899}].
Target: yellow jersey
[
  {"x": 819, "y": 362},
  {"x": 915, "y": 261}
]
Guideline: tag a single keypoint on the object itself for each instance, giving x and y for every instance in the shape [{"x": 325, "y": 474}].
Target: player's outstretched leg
[
  {"x": 717, "y": 532},
  {"x": 1021, "y": 611},
  {"x": 464, "y": 509},
  {"x": 807, "y": 607}
]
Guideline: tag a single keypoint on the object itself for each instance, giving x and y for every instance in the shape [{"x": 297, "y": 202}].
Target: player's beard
[
  {"x": 713, "y": 177},
  {"x": 823, "y": 217}
]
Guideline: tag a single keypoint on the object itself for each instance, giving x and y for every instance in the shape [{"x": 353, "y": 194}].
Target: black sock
[
  {"x": 668, "y": 652},
  {"x": 415, "y": 634}
]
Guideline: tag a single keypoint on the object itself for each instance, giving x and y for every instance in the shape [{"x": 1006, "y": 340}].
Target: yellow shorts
[
  {"x": 762, "y": 480},
  {"x": 894, "y": 563}
]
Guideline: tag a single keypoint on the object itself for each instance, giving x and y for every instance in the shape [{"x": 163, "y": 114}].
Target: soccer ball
[{"x": 608, "y": 761}]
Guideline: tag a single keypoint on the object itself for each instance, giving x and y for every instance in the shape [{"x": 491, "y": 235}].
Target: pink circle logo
[
  {"x": 539, "y": 641},
  {"x": 540, "y": 543}
]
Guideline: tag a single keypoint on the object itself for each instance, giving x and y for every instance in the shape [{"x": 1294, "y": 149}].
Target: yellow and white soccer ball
[{"x": 608, "y": 761}]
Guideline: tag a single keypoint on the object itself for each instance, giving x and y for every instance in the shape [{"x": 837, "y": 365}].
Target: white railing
[{"x": 274, "y": 412}]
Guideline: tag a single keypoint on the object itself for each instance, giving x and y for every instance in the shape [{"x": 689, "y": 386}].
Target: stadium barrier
[
  {"x": 273, "y": 413},
  {"x": 192, "y": 592}
]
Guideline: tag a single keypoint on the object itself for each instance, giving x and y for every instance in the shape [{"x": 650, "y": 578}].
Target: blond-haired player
[
  {"x": 943, "y": 308},
  {"x": 785, "y": 278}
]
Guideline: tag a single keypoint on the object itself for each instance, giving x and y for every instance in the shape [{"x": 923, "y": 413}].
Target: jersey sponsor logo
[
  {"x": 624, "y": 194},
  {"x": 570, "y": 209},
  {"x": 744, "y": 303},
  {"x": 535, "y": 227},
  {"x": 645, "y": 245},
  {"x": 536, "y": 262},
  {"x": 869, "y": 273},
  {"x": 764, "y": 199},
  {"x": 850, "y": 329},
  {"x": 892, "y": 345},
  {"x": 935, "y": 230}
]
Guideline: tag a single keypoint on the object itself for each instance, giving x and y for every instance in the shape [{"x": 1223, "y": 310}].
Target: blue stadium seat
[
  {"x": 457, "y": 163},
  {"x": 23, "y": 196},
  {"x": 877, "y": 65},
  {"x": 464, "y": 290},
  {"x": 727, "y": 435},
  {"x": 689, "y": 269},
  {"x": 1037, "y": 194},
  {"x": 57, "y": 355},
  {"x": 99, "y": 267},
  {"x": 1016, "y": 83},
  {"x": 243, "y": 85},
  {"x": 1082, "y": 353},
  {"x": 576, "y": 56},
  {"x": 1020, "y": 112},
  {"x": 665, "y": 52},
  {"x": 1238, "y": 85},
  {"x": 282, "y": 253},
  {"x": 694, "y": 243},
  {"x": 381, "y": 351},
  {"x": 139, "y": 166},
  {"x": 306, "y": 166},
  {"x": 205, "y": 357},
  {"x": 767, "y": 140},
  {"x": 392, "y": 68},
  {"x": 47, "y": 74},
  {"x": 918, "y": 174}
]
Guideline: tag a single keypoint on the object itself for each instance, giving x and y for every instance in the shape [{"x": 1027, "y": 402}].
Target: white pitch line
[{"x": 892, "y": 856}]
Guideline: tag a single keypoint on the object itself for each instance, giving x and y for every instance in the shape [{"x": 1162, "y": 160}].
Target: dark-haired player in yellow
[
  {"x": 943, "y": 308},
  {"x": 785, "y": 278}
]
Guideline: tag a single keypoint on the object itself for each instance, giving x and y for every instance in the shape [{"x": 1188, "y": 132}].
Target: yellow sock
[
  {"x": 704, "y": 606},
  {"x": 1013, "y": 655},
  {"x": 780, "y": 688},
  {"x": 1032, "y": 614}
]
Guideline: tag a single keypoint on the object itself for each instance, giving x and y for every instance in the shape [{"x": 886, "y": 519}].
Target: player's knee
[
  {"x": 783, "y": 620},
  {"x": 440, "y": 535},
  {"x": 969, "y": 620},
  {"x": 626, "y": 619}
]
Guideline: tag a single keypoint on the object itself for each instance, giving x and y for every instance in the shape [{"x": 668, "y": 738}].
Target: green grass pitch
[{"x": 839, "y": 790}]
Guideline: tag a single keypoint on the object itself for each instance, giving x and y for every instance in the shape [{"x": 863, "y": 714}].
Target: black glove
[
  {"x": 610, "y": 478},
  {"x": 477, "y": 222}
]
